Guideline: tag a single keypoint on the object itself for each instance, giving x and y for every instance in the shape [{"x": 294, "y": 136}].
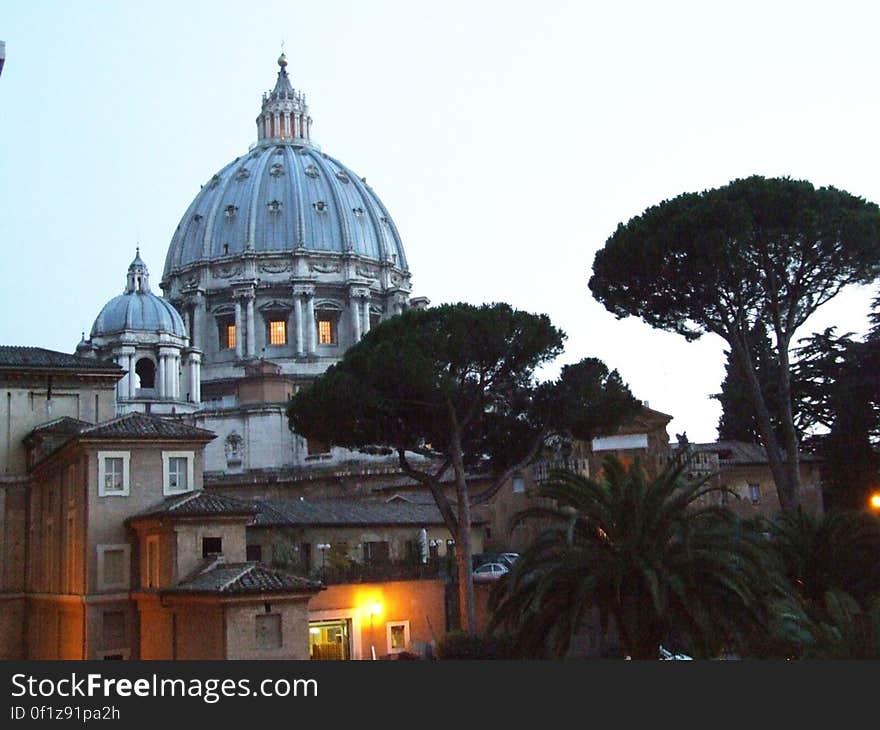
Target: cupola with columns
[
  {"x": 147, "y": 337},
  {"x": 285, "y": 114}
]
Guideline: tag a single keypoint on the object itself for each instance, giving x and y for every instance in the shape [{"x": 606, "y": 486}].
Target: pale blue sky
[{"x": 507, "y": 139}]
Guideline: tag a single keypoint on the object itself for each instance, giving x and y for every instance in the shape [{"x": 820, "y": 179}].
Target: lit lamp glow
[{"x": 874, "y": 501}]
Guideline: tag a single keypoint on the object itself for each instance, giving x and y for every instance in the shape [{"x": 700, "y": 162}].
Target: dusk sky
[{"x": 507, "y": 140}]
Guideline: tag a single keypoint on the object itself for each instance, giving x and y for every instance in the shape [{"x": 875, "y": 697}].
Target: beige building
[
  {"x": 743, "y": 469},
  {"x": 37, "y": 386},
  {"x": 199, "y": 598},
  {"x": 174, "y": 586},
  {"x": 644, "y": 439}
]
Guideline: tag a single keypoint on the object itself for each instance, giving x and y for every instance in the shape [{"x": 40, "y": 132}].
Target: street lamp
[
  {"x": 874, "y": 501},
  {"x": 323, "y": 547}
]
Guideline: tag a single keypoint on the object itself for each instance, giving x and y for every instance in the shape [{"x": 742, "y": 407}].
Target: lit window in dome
[
  {"x": 228, "y": 339},
  {"x": 277, "y": 332},
  {"x": 326, "y": 331}
]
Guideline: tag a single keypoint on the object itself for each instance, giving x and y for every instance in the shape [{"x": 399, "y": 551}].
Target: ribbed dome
[
  {"x": 283, "y": 197},
  {"x": 138, "y": 309}
]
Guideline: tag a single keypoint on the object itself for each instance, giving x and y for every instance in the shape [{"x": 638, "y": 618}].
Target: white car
[
  {"x": 667, "y": 655},
  {"x": 508, "y": 559},
  {"x": 489, "y": 571}
]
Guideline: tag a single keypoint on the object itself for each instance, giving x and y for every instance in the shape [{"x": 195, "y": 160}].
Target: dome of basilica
[
  {"x": 284, "y": 254},
  {"x": 284, "y": 195}
]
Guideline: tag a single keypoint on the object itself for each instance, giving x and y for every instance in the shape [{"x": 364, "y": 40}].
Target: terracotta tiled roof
[
  {"x": 246, "y": 578},
  {"x": 296, "y": 512},
  {"x": 140, "y": 425},
  {"x": 65, "y": 424},
  {"x": 198, "y": 504},
  {"x": 742, "y": 452},
  {"x": 15, "y": 356}
]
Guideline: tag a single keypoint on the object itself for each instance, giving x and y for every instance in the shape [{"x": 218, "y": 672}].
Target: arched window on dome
[
  {"x": 328, "y": 313},
  {"x": 327, "y": 322},
  {"x": 145, "y": 370}
]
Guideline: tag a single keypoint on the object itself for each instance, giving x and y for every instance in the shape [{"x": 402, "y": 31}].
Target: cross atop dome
[{"x": 284, "y": 115}]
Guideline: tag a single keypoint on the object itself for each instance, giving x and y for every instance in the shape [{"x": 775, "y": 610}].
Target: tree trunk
[
  {"x": 792, "y": 446},
  {"x": 785, "y": 489},
  {"x": 467, "y": 612},
  {"x": 463, "y": 553}
]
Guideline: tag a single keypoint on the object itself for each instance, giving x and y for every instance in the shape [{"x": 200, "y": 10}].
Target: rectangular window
[
  {"x": 519, "y": 485},
  {"x": 254, "y": 553},
  {"x": 315, "y": 447},
  {"x": 113, "y": 628},
  {"x": 152, "y": 577},
  {"x": 277, "y": 332},
  {"x": 113, "y": 473},
  {"x": 113, "y": 567},
  {"x": 226, "y": 326},
  {"x": 177, "y": 472},
  {"x": 177, "y": 467},
  {"x": 268, "y": 631},
  {"x": 376, "y": 552},
  {"x": 326, "y": 332},
  {"x": 755, "y": 493},
  {"x": 212, "y": 546},
  {"x": 398, "y": 636}
]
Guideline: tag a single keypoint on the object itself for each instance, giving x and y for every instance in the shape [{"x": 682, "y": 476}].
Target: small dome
[{"x": 138, "y": 309}]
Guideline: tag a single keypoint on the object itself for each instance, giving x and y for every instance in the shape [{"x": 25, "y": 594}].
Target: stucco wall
[
  {"x": 24, "y": 406},
  {"x": 421, "y": 602},
  {"x": 241, "y": 639},
  {"x": 13, "y": 501},
  {"x": 738, "y": 479},
  {"x": 200, "y": 632},
  {"x": 107, "y": 514},
  {"x": 12, "y": 628},
  {"x": 189, "y": 543},
  {"x": 156, "y": 635}
]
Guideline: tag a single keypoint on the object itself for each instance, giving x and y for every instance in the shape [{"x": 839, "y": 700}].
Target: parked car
[
  {"x": 508, "y": 559},
  {"x": 490, "y": 571},
  {"x": 667, "y": 655}
]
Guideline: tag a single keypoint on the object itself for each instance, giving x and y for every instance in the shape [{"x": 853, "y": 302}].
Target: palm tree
[
  {"x": 846, "y": 630},
  {"x": 652, "y": 557},
  {"x": 837, "y": 551}
]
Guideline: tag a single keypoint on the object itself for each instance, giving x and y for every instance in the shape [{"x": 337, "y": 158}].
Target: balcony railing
[{"x": 379, "y": 572}]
